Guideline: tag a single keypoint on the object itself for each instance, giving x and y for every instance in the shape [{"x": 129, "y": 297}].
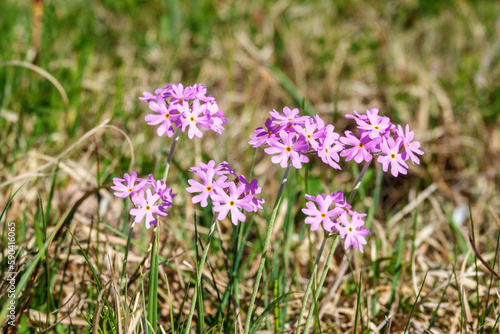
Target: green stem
[
  {"x": 129, "y": 239},
  {"x": 266, "y": 246},
  {"x": 199, "y": 271},
  {"x": 171, "y": 153},
  {"x": 309, "y": 285},
  {"x": 153, "y": 282},
  {"x": 321, "y": 282},
  {"x": 358, "y": 182}
]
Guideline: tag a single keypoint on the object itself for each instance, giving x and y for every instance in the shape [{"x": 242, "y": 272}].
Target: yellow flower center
[
  {"x": 350, "y": 229},
  {"x": 326, "y": 150},
  {"x": 376, "y": 127},
  {"x": 130, "y": 190},
  {"x": 323, "y": 215},
  {"x": 231, "y": 203},
  {"x": 288, "y": 149},
  {"x": 289, "y": 119},
  {"x": 148, "y": 207},
  {"x": 209, "y": 188},
  {"x": 191, "y": 119},
  {"x": 167, "y": 115},
  {"x": 269, "y": 133},
  {"x": 393, "y": 156},
  {"x": 346, "y": 210},
  {"x": 360, "y": 145},
  {"x": 309, "y": 136}
]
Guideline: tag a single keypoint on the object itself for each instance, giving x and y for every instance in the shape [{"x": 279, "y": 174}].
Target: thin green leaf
[
  {"x": 268, "y": 309},
  {"x": 153, "y": 284},
  {"x": 416, "y": 301}
]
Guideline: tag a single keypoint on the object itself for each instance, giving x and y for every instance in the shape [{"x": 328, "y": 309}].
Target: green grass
[{"x": 432, "y": 65}]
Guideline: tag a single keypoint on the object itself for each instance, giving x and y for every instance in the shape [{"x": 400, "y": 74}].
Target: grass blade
[
  {"x": 153, "y": 282},
  {"x": 268, "y": 309},
  {"x": 34, "y": 262},
  {"x": 357, "y": 305},
  {"x": 416, "y": 301}
]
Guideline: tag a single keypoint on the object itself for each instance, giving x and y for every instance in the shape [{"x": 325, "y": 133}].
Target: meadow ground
[{"x": 71, "y": 73}]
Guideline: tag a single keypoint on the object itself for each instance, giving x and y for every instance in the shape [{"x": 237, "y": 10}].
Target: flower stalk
[
  {"x": 270, "y": 226},
  {"x": 171, "y": 153}
]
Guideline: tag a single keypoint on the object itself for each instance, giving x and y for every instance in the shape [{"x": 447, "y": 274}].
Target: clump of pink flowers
[
  {"x": 334, "y": 214},
  {"x": 151, "y": 197},
  {"x": 289, "y": 137},
  {"x": 379, "y": 137},
  {"x": 227, "y": 196},
  {"x": 176, "y": 106}
]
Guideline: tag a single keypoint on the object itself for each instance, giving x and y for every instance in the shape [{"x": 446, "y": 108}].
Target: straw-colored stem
[{"x": 266, "y": 247}]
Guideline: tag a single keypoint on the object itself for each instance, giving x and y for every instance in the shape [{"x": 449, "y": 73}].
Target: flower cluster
[
  {"x": 190, "y": 107},
  {"x": 226, "y": 195},
  {"x": 290, "y": 136},
  {"x": 336, "y": 215},
  {"x": 379, "y": 137},
  {"x": 145, "y": 194}
]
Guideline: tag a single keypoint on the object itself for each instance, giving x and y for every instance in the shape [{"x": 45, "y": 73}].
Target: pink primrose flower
[
  {"x": 179, "y": 95},
  {"x": 309, "y": 129},
  {"x": 252, "y": 189},
  {"x": 340, "y": 202},
  {"x": 376, "y": 125},
  {"x": 321, "y": 214},
  {"x": 215, "y": 117},
  {"x": 289, "y": 117},
  {"x": 353, "y": 232},
  {"x": 158, "y": 98},
  {"x": 147, "y": 208},
  {"x": 361, "y": 149},
  {"x": 161, "y": 189},
  {"x": 203, "y": 167},
  {"x": 291, "y": 148},
  {"x": 262, "y": 135},
  {"x": 360, "y": 117},
  {"x": 166, "y": 117},
  {"x": 225, "y": 203},
  {"x": 209, "y": 187},
  {"x": 411, "y": 148},
  {"x": 224, "y": 168},
  {"x": 132, "y": 186},
  {"x": 193, "y": 117},
  {"x": 391, "y": 155},
  {"x": 329, "y": 150}
]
